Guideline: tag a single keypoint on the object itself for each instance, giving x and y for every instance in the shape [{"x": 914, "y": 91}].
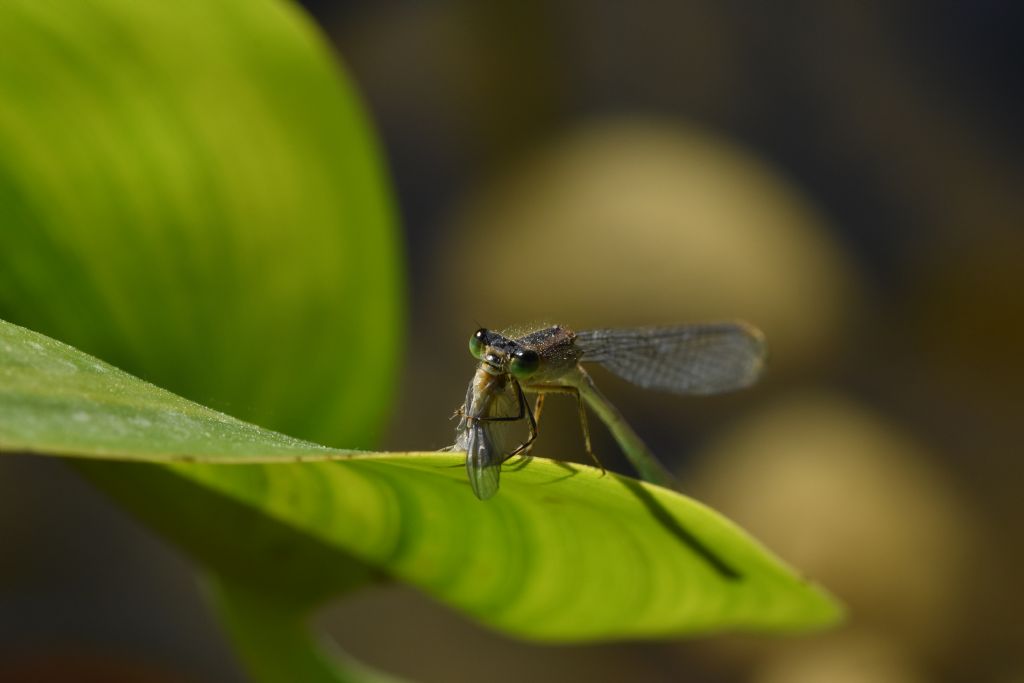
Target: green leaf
[
  {"x": 562, "y": 553},
  {"x": 190, "y": 191}
]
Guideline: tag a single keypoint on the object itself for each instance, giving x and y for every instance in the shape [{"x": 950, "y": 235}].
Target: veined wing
[
  {"x": 487, "y": 442},
  {"x": 686, "y": 359},
  {"x": 483, "y": 461}
]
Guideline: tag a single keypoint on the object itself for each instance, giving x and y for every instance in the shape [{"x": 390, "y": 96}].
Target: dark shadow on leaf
[
  {"x": 672, "y": 525},
  {"x": 572, "y": 472},
  {"x": 521, "y": 462}
]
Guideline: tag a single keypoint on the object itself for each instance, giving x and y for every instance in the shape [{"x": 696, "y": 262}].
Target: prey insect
[{"x": 686, "y": 359}]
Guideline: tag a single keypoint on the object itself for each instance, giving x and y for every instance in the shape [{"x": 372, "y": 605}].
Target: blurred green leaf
[
  {"x": 562, "y": 553},
  {"x": 190, "y": 190}
]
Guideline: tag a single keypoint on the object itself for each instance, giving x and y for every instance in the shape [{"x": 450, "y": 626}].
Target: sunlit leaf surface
[{"x": 191, "y": 190}]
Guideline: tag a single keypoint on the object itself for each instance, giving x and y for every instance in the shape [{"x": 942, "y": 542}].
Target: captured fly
[{"x": 685, "y": 359}]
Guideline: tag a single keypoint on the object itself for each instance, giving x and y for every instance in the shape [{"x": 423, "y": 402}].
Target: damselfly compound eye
[
  {"x": 524, "y": 363},
  {"x": 476, "y": 343}
]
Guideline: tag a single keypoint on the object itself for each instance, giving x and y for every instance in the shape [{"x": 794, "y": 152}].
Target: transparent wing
[
  {"x": 687, "y": 359},
  {"x": 483, "y": 461},
  {"x": 488, "y": 443}
]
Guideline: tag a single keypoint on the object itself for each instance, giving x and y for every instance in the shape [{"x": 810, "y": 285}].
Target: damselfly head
[
  {"x": 499, "y": 355},
  {"x": 492, "y": 350}
]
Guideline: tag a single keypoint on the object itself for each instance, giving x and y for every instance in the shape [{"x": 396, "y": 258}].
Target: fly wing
[
  {"x": 487, "y": 442},
  {"x": 483, "y": 462},
  {"x": 686, "y": 359}
]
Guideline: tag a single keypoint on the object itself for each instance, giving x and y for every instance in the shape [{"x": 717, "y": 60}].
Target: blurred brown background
[{"x": 848, "y": 176}]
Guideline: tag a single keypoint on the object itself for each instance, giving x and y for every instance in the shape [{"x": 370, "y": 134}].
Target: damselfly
[{"x": 686, "y": 359}]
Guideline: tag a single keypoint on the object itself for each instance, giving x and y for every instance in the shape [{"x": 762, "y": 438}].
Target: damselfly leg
[{"x": 542, "y": 391}]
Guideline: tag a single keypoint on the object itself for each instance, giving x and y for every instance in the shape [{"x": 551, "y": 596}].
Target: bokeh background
[{"x": 847, "y": 176}]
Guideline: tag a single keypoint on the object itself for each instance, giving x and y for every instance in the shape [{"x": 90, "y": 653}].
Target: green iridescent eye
[
  {"x": 476, "y": 343},
  {"x": 524, "y": 363}
]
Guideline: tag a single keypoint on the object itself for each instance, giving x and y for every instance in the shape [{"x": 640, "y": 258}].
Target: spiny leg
[
  {"x": 538, "y": 408},
  {"x": 524, "y": 408},
  {"x": 459, "y": 412},
  {"x": 542, "y": 389},
  {"x": 586, "y": 433}
]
